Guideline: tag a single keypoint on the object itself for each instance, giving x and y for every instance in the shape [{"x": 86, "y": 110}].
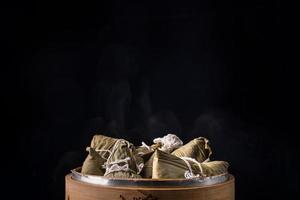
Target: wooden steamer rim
[
  {"x": 78, "y": 190},
  {"x": 86, "y": 187},
  {"x": 149, "y": 183}
]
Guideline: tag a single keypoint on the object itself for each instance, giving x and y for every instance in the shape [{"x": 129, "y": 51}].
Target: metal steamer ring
[{"x": 146, "y": 182}]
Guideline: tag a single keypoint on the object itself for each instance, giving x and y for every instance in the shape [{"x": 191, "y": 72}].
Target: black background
[{"x": 139, "y": 70}]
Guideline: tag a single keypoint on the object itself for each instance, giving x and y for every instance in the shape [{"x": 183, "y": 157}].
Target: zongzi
[
  {"x": 121, "y": 163},
  {"x": 198, "y": 149},
  {"x": 93, "y": 163}
]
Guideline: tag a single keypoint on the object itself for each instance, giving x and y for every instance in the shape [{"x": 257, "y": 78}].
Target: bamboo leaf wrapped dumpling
[
  {"x": 214, "y": 168},
  {"x": 198, "y": 149},
  {"x": 99, "y": 150},
  {"x": 103, "y": 145},
  {"x": 162, "y": 165},
  {"x": 93, "y": 163},
  {"x": 148, "y": 166},
  {"x": 122, "y": 162}
]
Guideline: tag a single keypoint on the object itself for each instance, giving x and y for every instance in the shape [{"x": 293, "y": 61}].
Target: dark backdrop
[{"x": 142, "y": 70}]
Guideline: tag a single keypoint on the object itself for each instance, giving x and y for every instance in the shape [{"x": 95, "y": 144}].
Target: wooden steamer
[{"x": 81, "y": 187}]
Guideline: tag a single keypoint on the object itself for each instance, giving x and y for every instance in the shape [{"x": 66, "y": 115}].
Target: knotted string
[
  {"x": 189, "y": 173},
  {"x": 116, "y": 166},
  {"x": 149, "y": 148},
  {"x": 103, "y": 150},
  {"x": 146, "y": 146}
]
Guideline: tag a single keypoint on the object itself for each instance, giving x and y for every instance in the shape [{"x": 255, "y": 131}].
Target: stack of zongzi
[{"x": 167, "y": 158}]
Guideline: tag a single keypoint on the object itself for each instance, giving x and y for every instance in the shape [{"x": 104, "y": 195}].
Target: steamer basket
[{"x": 88, "y": 187}]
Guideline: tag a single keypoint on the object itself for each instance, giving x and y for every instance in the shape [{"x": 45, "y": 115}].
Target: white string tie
[
  {"x": 146, "y": 146},
  {"x": 189, "y": 173}
]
